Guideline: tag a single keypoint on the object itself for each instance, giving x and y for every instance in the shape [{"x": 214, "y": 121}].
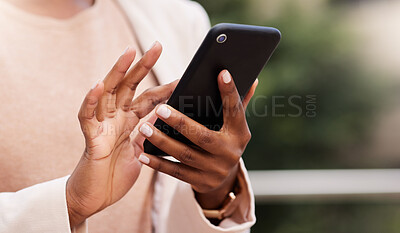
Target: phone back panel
[{"x": 244, "y": 53}]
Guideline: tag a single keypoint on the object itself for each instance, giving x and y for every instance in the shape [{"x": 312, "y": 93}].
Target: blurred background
[{"x": 328, "y": 99}]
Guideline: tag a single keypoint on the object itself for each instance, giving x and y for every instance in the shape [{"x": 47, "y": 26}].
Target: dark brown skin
[{"x": 211, "y": 166}]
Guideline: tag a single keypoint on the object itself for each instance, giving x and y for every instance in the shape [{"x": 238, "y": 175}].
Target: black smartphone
[{"x": 241, "y": 49}]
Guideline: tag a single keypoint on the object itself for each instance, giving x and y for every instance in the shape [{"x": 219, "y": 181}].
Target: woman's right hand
[{"x": 109, "y": 166}]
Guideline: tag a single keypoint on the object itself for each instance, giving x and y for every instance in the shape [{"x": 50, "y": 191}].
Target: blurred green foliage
[
  {"x": 328, "y": 218},
  {"x": 315, "y": 58}
]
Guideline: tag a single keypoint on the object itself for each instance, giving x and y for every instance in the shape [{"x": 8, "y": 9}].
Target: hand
[
  {"x": 109, "y": 167},
  {"x": 211, "y": 166}
]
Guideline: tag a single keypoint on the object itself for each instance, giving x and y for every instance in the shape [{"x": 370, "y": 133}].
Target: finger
[
  {"x": 137, "y": 138},
  {"x": 107, "y": 107},
  {"x": 149, "y": 99},
  {"x": 250, "y": 94},
  {"x": 233, "y": 111},
  {"x": 195, "y": 132},
  {"x": 128, "y": 86},
  {"x": 184, "y": 153},
  {"x": 86, "y": 113},
  {"x": 174, "y": 169}
]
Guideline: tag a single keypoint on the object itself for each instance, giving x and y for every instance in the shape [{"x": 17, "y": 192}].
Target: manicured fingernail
[
  {"x": 127, "y": 48},
  {"x": 163, "y": 111},
  {"x": 152, "y": 46},
  {"x": 146, "y": 130},
  {"x": 96, "y": 84},
  {"x": 144, "y": 159},
  {"x": 226, "y": 77}
]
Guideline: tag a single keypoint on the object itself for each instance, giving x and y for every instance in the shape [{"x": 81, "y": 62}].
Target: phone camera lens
[{"x": 221, "y": 38}]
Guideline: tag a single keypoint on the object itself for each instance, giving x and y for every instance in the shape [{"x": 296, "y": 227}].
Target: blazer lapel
[{"x": 170, "y": 66}]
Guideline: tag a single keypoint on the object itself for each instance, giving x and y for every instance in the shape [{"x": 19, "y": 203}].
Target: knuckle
[
  {"x": 204, "y": 138},
  {"x": 233, "y": 105},
  {"x": 186, "y": 155},
  {"x": 131, "y": 85},
  {"x": 236, "y": 108},
  {"x": 235, "y": 160},
  {"x": 151, "y": 96},
  {"x": 176, "y": 171},
  {"x": 181, "y": 125},
  {"x": 247, "y": 136},
  {"x": 231, "y": 90},
  {"x": 232, "y": 156},
  {"x": 223, "y": 173},
  {"x": 111, "y": 91},
  {"x": 225, "y": 103},
  {"x": 126, "y": 107},
  {"x": 154, "y": 101},
  {"x": 245, "y": 139},
  {"x": 158, "y": 166},
  {"x": 91, "y": 101}
]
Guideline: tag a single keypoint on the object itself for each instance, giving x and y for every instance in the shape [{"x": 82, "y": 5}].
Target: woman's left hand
[{"x": 211, "y": 166}]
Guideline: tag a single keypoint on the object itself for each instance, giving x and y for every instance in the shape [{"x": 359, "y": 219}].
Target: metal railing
[{"x": 326, "y": 185}]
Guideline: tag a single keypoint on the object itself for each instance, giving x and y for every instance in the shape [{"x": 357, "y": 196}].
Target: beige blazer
[{"x": 179, "y": 25}]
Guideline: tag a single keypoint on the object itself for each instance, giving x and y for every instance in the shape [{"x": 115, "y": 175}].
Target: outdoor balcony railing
[{"x": 326, "y": 185}]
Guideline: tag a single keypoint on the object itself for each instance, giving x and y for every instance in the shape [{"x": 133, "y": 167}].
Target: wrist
[
  {"x": 216, "y": 198},
  {"x": 74, "y": 215}
]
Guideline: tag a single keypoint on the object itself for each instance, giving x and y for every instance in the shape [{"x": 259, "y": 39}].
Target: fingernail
[
  {"x": 96, "y": 84},
  {"x": 152, "y": 46},
  {"x": 144, "y": 159},
  {"x": 127, "y": 48},
  {"x": 226, "y": 77},
  {"x": 146, "y": 130},
  {"x": 163, "y": 111}
]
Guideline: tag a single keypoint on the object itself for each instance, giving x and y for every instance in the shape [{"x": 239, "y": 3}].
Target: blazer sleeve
[
  {"x": 175, "y": 209},
  {"x": 40, "y": 208}
]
